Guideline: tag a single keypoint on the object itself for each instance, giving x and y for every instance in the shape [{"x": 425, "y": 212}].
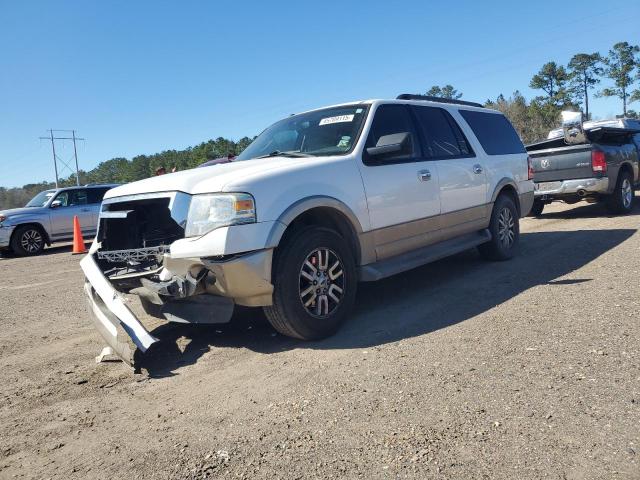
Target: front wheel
[
  {"x": 314, "y": 280},
  {"x": 27, "y": 240},
  {"x": 621, "y": 200},
  {"x": 505, "y": 231}
]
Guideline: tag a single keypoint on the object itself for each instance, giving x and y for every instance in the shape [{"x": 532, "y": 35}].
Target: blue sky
[{"x": 145, "y": 76}]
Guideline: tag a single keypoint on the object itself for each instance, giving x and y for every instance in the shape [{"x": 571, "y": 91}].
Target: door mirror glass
[
  {"x": 572, "y": 128},
  {"x": 387, "y": 145},
  {"x": 56, "y": 204}
]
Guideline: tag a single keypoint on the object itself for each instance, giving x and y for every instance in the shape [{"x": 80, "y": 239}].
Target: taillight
[
  {"x": 598, "y": 162},
  {"x": 530, "y": 168}
]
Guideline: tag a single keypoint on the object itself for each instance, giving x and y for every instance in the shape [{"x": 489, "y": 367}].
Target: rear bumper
[
  {"x": 526, "y": 202},
  {"x": 572, "y": 187}
]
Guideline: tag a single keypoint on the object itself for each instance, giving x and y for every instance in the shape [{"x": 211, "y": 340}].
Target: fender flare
[
  {"x": 308, "y": 203},
  {"x": 47, "y": 240},
  {"x": 504, "y": 182}
]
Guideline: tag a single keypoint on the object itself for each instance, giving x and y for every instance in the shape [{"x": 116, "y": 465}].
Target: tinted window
[
  {"x": 494, "y": 132},
  {"x": 443, "y": 137},
  {"x": 70, "y": 198},
  {"x": 97, "y": 194},
  {"x": 390, "y": 119}
]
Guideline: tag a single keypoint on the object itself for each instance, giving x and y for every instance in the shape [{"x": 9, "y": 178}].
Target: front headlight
[
  {"x": 2, "y": 219},
  {"x": 210, "y": 211}
]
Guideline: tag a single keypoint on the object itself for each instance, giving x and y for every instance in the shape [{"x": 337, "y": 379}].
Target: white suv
[{"x": 317, "y": 203}]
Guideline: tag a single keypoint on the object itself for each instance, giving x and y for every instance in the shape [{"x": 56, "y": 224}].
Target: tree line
[
  {"x": 567, "y": 88},
  {"x": 562, "y": 87},
  {"x": 121, "y": 170}
]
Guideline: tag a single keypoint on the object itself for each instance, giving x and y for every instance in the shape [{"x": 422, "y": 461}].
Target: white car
[{"x": 317, "y": 203}]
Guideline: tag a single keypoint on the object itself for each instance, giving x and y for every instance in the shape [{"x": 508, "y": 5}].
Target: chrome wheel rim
[
  {"x": 31, "y": 241},
  {"x": 321, "y": 282},
  {"x": 506, "y": 228},
  {"x": 627, "y": 193}
]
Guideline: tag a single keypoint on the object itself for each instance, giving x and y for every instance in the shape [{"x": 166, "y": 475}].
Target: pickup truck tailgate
[{"x": 555, "y": 164}]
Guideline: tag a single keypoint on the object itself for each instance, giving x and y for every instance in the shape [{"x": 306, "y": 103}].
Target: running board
[{"x": 422, "y": 256}]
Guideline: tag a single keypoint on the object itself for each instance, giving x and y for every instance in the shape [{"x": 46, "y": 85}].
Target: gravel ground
[{"x": 460, "y": 369}]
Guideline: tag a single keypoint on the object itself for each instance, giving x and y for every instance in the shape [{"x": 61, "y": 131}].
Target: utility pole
[
  {"x": 56, "y": 159},
  {"x": 75, "y": 155},
  {"x": 55, "y": 164}
]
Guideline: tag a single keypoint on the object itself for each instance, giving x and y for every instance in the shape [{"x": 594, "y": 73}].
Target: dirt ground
[{"x": 526, "y": 369}]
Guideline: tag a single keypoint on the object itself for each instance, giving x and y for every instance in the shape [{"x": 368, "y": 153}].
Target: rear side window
[
  {"x": 97, "y": 194},
  {"x": 494, "y": 132},
  {"x": 443, "y": 137}
]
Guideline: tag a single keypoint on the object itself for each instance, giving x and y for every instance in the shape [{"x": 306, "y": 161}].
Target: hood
[
  {"x": 208, "y": 179},
  {"x": 21, "y": 212}
]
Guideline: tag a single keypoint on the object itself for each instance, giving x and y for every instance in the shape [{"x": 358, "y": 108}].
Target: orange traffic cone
[{"x": 78, "y": 242}]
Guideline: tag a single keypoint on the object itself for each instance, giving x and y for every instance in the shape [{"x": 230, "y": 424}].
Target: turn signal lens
[
  {"x": 598, "y": 162},
  {"x": 244, "y": 205}
]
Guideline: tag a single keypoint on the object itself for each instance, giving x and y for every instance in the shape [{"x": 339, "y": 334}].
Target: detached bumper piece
[{"x": 111, "y": 316}]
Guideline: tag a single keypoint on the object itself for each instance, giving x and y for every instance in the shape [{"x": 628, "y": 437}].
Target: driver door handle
[
  {"x": 477, "y": 168},
  {"x": 424, "y": 175}
]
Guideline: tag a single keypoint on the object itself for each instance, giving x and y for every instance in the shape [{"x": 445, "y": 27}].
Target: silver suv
[{"x": 48, "y": 218}]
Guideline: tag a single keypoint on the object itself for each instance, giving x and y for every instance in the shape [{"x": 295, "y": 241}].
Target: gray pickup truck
[
  {"x": 48, "y": 218},
  {"x": 595, "y": 161}
]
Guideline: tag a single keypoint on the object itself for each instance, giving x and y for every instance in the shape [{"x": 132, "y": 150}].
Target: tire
[
  {"x": 537, "y": 208},
  {"x": 505, "y": 231},
  {"x": 312, "y": 254},
  {"x": 27, "y": 240},
  {"x": 621, "y": 200}
]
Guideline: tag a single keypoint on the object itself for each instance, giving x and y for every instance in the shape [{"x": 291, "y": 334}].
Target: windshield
[
  {"x": 330, "y": 131},
  {"x": 41, "y": 199}
]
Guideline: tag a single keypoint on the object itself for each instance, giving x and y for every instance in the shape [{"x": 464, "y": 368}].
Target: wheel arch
[
  {"x": 507, "y": 186},
  {"x": 38, "y": 225},
  {"x": 626, "y": 167},
  {"x": 326, "y": 212}
]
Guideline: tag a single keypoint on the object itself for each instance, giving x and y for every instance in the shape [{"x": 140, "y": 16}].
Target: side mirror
[
  {"x": 396, "y": 143},
  {"x": 56, "y": 204},
  {"x": 573, "y": 128}
]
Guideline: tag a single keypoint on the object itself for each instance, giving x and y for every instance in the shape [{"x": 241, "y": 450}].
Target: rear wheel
[
  {"x": 505, "y": 230},
  {"x": 621, "y": 200},
  {"x": 27, "y": 240},
  {"x": 314, "y": 279}
]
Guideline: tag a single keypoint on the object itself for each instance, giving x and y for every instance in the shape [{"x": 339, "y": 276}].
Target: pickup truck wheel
[
  {"x": 315, "y": 282},
  {"x": 27, "y": 240},
  {"x": 505, "y": 231},
  {"x": 537, "y": 208},
  {"x": 621, "y": 200}
]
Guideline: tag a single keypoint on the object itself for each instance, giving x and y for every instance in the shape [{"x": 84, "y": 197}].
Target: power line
[{"x": 57, "y": 159}]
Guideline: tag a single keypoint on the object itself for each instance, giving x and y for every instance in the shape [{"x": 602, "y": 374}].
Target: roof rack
[{"x": 411, "y": 96}]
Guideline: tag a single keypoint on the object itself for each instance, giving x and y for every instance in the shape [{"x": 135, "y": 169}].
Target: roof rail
[{"x": 411, "y": 96}]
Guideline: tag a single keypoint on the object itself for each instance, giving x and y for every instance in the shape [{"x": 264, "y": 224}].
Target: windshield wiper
[{"x": 278, "y": 153}]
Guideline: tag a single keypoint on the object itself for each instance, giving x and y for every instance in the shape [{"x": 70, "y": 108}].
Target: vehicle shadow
[
  {"x": 414, "y": 303},
  {"x": 57, "y": 248}
]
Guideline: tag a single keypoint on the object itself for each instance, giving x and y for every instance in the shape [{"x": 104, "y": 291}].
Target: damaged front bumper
[
  {"x": 110, "y": 314},
  {"x": 195, "y": 290}
]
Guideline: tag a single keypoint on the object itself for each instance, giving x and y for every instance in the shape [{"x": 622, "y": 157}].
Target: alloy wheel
[
  {"x": 31, "y": 241},
  {"x": 627, "y": 193},
  {"x": 506, "y": 228},
  {"x": 322, "y": 282}
]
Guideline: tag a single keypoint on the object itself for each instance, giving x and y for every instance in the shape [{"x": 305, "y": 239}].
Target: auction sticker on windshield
[{"x": 338, "y": 119}]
